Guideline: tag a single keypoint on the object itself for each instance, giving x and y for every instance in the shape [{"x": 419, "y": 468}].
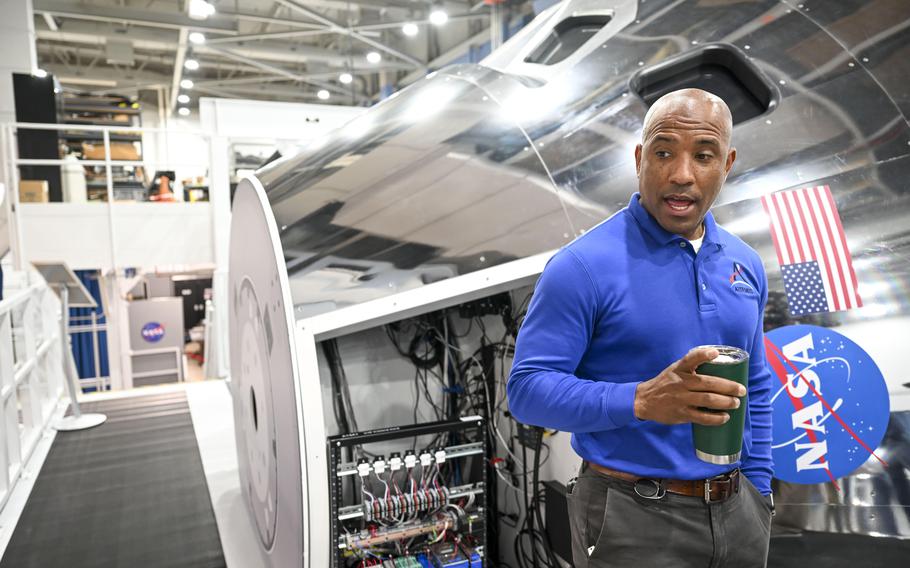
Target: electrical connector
[
  {"x": 395, "y": 462},
  {"x": 426, "y": 459},
  {"x": 410, "y": 460},
  {"x": 363, "y": 468},
  {"x": 379, "y": 465},
  {"x": 440, "y": 455}
]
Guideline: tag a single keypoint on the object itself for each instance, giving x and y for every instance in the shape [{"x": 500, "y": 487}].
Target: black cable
[
  {"x": 429, "y": 338},
  {"x": 330, "y": 350},
  {"x": 545, "y": 538},
  {"x": 528, "y": 516}
]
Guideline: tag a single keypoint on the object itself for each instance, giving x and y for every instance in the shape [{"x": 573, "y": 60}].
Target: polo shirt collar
[{"x": 662, "y": 236}]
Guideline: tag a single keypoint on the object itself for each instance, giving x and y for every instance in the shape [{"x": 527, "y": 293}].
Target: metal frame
[
  {"x": 12, "y": 163},
  {"x": 335, "y": 444},
  {"x": 89, "y": 324},
  {"x": 31, "y": 377},
  {"x": 178, "y": 369},
  {"x": 310, "y": 331},
  {"x": 161, "y": 41}
]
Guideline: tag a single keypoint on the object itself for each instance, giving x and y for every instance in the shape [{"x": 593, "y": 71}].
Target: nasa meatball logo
[
  {"x": 830, "y": 404},
  {"x": 152, "y": 332},
  {"x": 738, "y": 281}
]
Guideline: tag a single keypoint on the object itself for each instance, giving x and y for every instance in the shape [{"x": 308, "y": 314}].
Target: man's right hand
[{"x": 676, "y": 395}]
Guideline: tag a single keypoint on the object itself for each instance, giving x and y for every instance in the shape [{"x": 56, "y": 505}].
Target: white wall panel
[{"x": 146, "y": 235}]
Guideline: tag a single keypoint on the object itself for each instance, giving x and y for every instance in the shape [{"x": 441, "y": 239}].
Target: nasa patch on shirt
[{"x": 829, "y": 402}]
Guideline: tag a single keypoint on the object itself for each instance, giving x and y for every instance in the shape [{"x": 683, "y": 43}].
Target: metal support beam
[
  {"x": 277, "y": 70},
  {"x": 496, "y": 17},
  {"x": 119, "y": 15},
  {"x": 178, "y": 69},
  {"x": 316, "y": 16},
  {"x": 325, "y": 30},
  {"x": 147, "y": 39}
]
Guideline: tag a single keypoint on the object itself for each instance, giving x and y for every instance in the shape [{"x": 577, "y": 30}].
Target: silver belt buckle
[
  {"x": 659, "y": 489},
  {"x": 708, "y": 491}
]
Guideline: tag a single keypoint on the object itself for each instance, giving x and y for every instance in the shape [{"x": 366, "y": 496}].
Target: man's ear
[
  {"x": 731, "y": 157},
  {"x": 638, "y": 159}
]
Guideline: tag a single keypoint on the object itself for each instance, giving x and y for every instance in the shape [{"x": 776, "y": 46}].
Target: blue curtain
[{"x": 83, "y": 343}]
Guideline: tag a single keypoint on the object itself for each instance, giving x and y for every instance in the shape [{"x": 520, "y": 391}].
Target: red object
[{"x": 164, "y": 190}]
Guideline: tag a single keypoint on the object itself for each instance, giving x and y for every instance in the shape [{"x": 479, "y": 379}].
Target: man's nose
[{"x": 682, "y": 173}]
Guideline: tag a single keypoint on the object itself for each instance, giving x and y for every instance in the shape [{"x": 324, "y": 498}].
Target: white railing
[
  {"x": 115, "y": 229},
  {"x": 31, "y": 375}
]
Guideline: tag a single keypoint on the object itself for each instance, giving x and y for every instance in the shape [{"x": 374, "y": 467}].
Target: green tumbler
[{"x": 723, "y": 444}]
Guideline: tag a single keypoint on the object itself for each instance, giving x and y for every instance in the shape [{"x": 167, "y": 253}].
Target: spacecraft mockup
[{"x": 455, "y": 191}]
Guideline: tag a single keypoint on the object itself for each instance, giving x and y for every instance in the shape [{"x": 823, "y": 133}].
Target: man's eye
[
  {"x": 662, "y": 154},
  {"x": 703, "y": 157}
]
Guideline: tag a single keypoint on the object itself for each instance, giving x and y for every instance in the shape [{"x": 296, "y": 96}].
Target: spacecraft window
[
  {"x": 566, "y": 38},
  {"x": 717, "y": 68}
]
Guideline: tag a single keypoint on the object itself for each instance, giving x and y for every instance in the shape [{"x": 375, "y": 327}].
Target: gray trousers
[{"x": 613, "y": 527}]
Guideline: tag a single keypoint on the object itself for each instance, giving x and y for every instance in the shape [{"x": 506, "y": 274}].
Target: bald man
[{"x": 607, "y": 352}]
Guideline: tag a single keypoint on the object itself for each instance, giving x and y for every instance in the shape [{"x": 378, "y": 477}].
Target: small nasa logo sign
[
  {"x": 152, "y": 332},
  {"x": 829, "y": 401},
  {"x": 738, "y": 282}
]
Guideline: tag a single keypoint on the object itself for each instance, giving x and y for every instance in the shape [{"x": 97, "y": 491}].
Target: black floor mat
[{"x": 128, "y": 493}]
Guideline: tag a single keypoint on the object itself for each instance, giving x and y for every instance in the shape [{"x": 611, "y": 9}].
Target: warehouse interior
[{"x": 264, "y": 266}]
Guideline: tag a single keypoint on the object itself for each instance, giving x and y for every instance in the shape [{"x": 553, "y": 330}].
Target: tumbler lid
[{"x": 728, "y": 355}]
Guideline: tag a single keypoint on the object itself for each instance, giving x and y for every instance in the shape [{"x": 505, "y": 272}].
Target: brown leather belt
[{"x": 713, "y": 490}]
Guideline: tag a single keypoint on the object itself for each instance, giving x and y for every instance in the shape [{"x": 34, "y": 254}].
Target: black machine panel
[{"x": 422, "y": 505}]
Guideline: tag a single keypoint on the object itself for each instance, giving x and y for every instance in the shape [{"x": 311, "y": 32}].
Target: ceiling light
[
  {"x": 40, "y": 73},
  {"x": 183, "y": 111},
  {"x": 191, "y": 64},
  {"x": 410, "y": 29},
  {"x": 186, "y": 84},
  {"x": 438, "y": 17},
  {"x": 183, "y": 99},
  {"x": 197, "y": 37},
  {"x": 323, "y": 94},
  {"x": 374, "y": 57},
  {"x": 346, "y": 78},
  {"x": 200, "y": 9}
]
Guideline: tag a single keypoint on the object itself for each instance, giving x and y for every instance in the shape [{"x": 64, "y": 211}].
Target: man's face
[{"x": 682, "y": 163}]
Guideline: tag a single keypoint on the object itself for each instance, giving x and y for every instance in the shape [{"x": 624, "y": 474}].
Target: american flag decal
[{"x": 812, "y": 250}]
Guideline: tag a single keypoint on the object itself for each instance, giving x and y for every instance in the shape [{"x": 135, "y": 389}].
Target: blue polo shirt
[{"x": 617, "y": 306}]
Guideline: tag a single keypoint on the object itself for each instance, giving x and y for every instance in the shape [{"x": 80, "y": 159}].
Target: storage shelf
[
  {"x": 99, "y": 108},
  {"x": 97, "y": 122},
  {"x": 98, "y": 137}
]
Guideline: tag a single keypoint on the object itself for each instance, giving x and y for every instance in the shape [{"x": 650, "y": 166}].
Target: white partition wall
[{"x": 31, "y": 376}]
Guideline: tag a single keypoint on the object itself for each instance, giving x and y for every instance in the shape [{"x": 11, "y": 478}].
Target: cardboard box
[
  {"x": 33, "y": 191},
  {"x": 119, "y": 151}
]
